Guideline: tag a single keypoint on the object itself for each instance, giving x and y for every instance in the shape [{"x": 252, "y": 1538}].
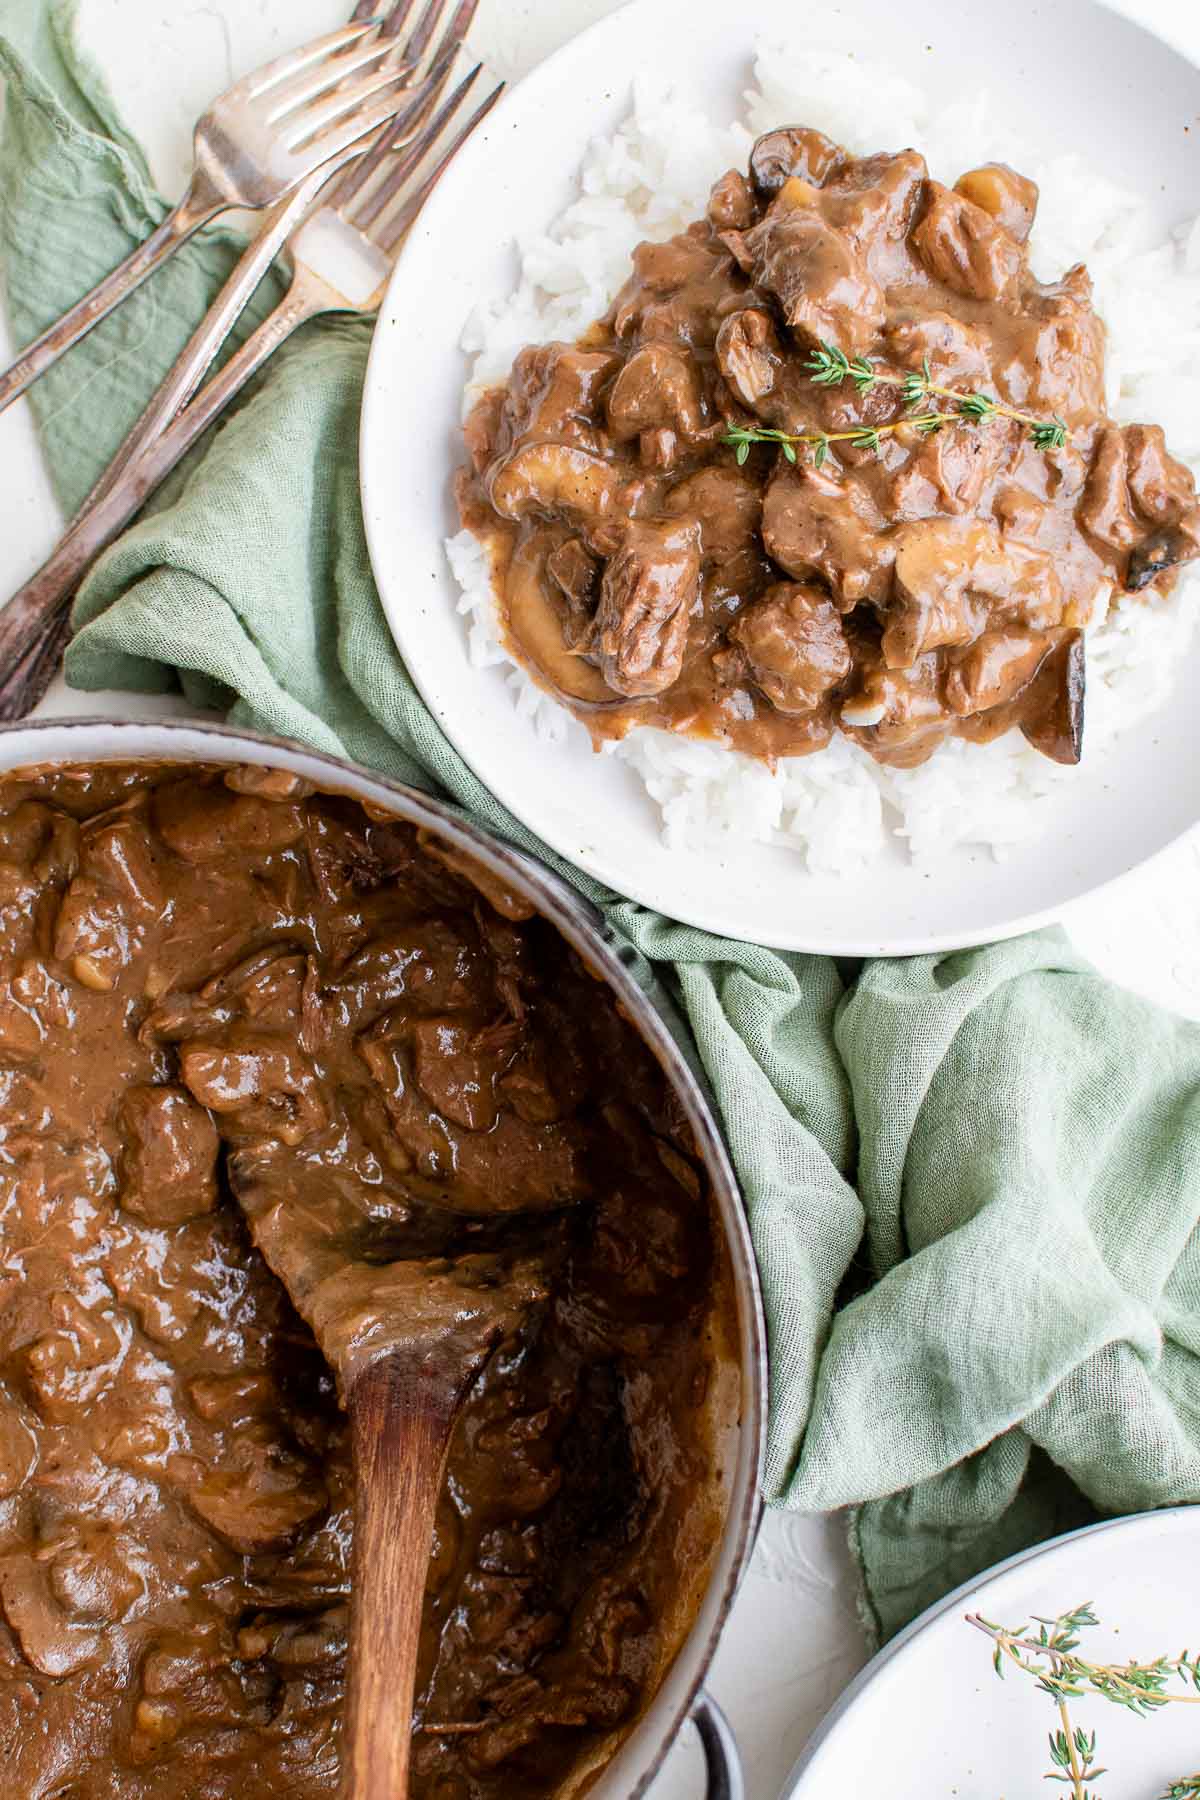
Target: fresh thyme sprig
[
  {"x": 1141, "y": 1687},
  {"x": 1051, "y": 1656},
  {"x": 829, "y": 366}
]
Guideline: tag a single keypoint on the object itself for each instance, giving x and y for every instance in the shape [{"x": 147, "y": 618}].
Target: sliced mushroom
[
  {"x": 794, "y": 150},
  {"x": 553, "y": 479},
  {"x": 1054, "y": 723},
  {"x": 534, "y": 622}
]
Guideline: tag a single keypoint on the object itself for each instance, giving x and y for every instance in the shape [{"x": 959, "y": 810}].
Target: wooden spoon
[{"x": 406, "y": 1340}]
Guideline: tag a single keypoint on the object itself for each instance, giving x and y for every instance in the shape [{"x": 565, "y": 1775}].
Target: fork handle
[
  {"x": 199, "y": 205},
  {"x": 36, "y": 610}
]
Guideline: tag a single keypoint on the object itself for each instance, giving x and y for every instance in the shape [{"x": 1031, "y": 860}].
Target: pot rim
[{"x": 653, "y": 1015}]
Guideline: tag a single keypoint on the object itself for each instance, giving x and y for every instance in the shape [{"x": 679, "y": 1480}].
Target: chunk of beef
[
  {"x": 1139, "y": 498},
  {"x": 873, "y": 201},
  {"x": 677, "y": 291},
  {"x": 660, "y": 385},
  {"x": 822, "y": 284},
  {"x": 1050, "y": 357},
  {"x": 950, "y": 470},
  {"x": 262, "y": 1497},
  {"x": 73, "y": 1364},
  {"x": 794, "y": 646},
  {"x": 121, "y": 855},
  {"x": 1107, "y": 509},
  {"x": 896, "y": 714},
  {"x": 1009, "y": 198},
  {"x": 98, "y": 934},
  {"x": 1162, "y": 488},
  {"x": 257, "y": 1082},
  {"x": 817, "y": 523},
  {"x": 575, "y": 572},
  {"x": 952, "y": 576},
  {"x": 205, "y": 824},
  {"x": 555, "y": 392},
  {"x": 170, "y": 1157},
  {"x": 965, "y": 248},
  {"x": 544, "y": 1168},
  {"x": 993, "y": 670},
  {"x": 428, "y": 964},
  {"x": 749, "y": 355},
  {"x": 457, "y": 1067},
  {"x": 731, "y": 205},
  {"x": 958, "y": 355},
  {"x": 728, "y": 503},
  {"x": 792, "y": 150},
  {"x": 646, "y": 597}
]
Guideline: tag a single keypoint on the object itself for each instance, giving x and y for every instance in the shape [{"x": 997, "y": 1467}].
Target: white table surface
[{"x": 793, "y": 1642}]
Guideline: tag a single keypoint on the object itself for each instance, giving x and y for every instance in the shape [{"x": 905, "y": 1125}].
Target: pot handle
[{"x": 721, "y": 1757}]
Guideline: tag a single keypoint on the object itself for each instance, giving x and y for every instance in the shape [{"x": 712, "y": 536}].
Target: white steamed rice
[{"x": 839, "y": 808}]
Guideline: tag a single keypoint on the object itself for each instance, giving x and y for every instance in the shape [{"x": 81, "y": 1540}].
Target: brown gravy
[
  {"x": 201, "y": 969},
  {"x": 901, "y": 592}
]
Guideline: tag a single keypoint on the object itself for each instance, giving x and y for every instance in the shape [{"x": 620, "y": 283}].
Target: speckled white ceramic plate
[
  {"x": 1072, "y": 73},
  {"x": 928, "y": 1719}
]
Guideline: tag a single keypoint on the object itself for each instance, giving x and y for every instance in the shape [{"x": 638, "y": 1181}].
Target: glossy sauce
[
  {"x": 935, "y": 586},
  {"x": 213, "y": 980}
]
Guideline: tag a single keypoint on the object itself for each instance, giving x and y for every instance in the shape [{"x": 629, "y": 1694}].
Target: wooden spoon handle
[{"x": 401, "y": 1428}]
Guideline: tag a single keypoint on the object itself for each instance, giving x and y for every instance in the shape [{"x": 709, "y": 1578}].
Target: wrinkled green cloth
[{"x": 971, "y": 1179}]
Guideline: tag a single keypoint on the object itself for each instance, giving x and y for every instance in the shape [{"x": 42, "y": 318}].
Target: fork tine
[
  {"x": 420, "y": 39},
  {"x": 298, "y": 94},
  {"x": 398, "y": 131},
  {"x": 346, "y": 107},
  {"x": 403, "y": 219},
  {"x": 373, "y": 204},
  {"x": 251, "y": 87},
  {"x": 397, "y": 17},
  {"x": 425, "y": 98},
  {"x": 397, "y": 108}
]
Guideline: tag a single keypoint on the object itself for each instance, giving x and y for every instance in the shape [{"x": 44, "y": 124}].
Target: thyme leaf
[
  {"x": 1051, "y": 1655},
  {"x": 829, "y": 366}
]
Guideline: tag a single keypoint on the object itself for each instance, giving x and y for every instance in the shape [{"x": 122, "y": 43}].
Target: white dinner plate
[
  {"x": 1070, "y": 74},
  {"x": 930, "y": 1719}
]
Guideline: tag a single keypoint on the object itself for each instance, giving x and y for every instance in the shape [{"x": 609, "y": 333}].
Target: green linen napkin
[{"x": 972, "y": 1179}]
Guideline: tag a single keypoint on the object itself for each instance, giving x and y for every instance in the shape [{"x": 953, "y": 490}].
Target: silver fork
[
  {"x": 254, "y": 145},
  {"x": 431, "y": 64},
  {"x": 342, "y": 251}
]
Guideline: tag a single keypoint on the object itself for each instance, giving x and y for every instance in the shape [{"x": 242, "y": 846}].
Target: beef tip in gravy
[
  {"x": 201, "y": 965},
  {"x": 902, "y": 589}
]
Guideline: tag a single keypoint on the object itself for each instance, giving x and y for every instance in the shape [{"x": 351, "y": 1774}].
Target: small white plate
[
  {"x": 1072, "y": 75},
  {"x": 929, "y": 1720}
]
